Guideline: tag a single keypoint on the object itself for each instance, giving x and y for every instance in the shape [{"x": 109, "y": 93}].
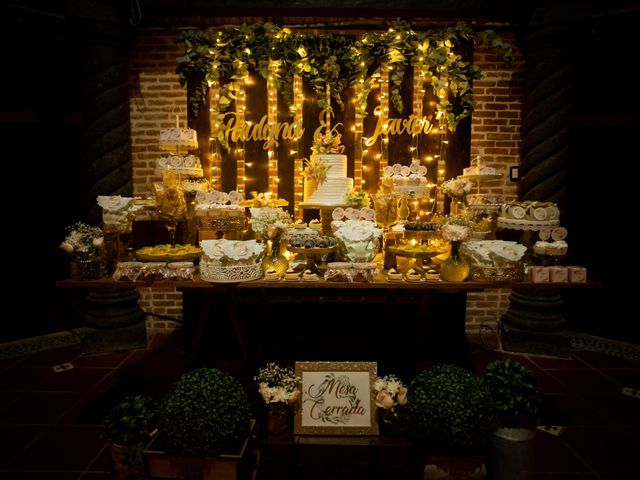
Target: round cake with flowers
[{"x": 325, "y": 173}]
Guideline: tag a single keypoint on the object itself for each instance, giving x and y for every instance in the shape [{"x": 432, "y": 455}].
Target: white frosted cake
[
  {"x": 175, "y": 139},
  {"x": 333, "y": 190},
  {"x": 408, "y": 180}
]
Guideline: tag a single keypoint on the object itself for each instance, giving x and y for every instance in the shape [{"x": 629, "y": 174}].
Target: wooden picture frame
[{"x": 337, "y": 398}]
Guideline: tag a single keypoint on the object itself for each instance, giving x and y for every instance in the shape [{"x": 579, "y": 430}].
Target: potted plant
[
  {"x": 203, "y": 428},
  {"x": 452, "y": 417},
  {"x": 517, "y": 400},
  {"x": 127, "y": 428},
  {"x": 279, "y": 387},
  {"x": 391, "y": 397}
]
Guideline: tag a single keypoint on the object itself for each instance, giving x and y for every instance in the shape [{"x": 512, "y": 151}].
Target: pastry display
[
  {"x": 315, "y": 225},
  {"x": 188, "y": 165},
  {"x": 528, "y": 215},
  {"x": 364, "y": 272},
  {"x": 180, "y": 270},
  {"x": 338, "y": 272},
  {"x": 291, "y": 275},
  {"x": 178, "y": 139},
  {"x": 408, "y": 180},
  {"x": 152, "y": 272},
  {"x": 432, "y": 274},
  {"x": 413, "y": 275},
  {"x": 127, "y": 271},
  {"x": 394, "y": 276},
  {"x": 168, "y": 252},
  {"x": 271, "y": 275},
  {"x": 311, "y": 241},
  {"x": 556, "y": 248},
  {"x": 309, "y": 276},
  {"x": 478, "y": 168}
]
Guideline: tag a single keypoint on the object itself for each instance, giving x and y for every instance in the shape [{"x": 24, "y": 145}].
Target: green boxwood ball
[
  {"x": 206, "y": 412},
  {"x": 450, "y": 410}
]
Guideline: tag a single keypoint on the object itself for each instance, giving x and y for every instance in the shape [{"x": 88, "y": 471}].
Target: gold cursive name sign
[
  {"x": 271, "y": 134},
  {"x": 261, "y": 131},
  {"x": 413, "y": 125}
]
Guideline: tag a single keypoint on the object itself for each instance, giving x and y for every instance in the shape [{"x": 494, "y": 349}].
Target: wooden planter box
[{"x": 161, "y": 465}]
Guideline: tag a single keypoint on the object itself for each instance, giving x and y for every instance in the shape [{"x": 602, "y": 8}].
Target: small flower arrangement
[
  {"x": 452, "y": 232},
  {"x": 357, "y": 199},
  {"x": 390, "y": 392},
  {"x": 269, "y": 222},
  {"x": 328, "y": 142},
  {"x": 83, "y": 238},
  {"x": 278, "y": 384},
  {"x": 457, "y": 188},
  {"x": 264, "y": 200},
  {"x": 316, "y": 169}
]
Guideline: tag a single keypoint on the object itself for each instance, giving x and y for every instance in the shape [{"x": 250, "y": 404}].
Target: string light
[
  {"x": 214, "y": 98},
  {"x": 298, "y": 169}
]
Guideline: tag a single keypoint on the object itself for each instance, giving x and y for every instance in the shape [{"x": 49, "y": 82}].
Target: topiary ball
[
  {"x": 513, "y": 389},
  {"x": 206, "y": 412},
  {"x": 450, "y": 410}
]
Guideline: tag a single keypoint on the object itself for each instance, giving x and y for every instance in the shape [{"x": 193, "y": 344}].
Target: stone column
[
  {"x": 113, "y": 319},
  {"x": 534, "y": 321}
]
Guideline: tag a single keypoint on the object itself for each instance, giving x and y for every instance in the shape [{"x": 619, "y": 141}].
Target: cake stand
[
  {"x": 479, "y": 180},
  {"x": 416, "y": 256},
  {"x": 311, "y": 256},
  {"x": 325, "y": 214}
]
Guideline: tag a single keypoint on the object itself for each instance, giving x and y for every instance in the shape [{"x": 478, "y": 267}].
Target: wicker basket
[
  {"x": 230, "y": 274},
  {"x": 496, "y": 274}
]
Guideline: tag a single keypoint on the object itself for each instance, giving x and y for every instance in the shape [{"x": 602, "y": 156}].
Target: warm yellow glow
[{"x": 292, "y": 152}]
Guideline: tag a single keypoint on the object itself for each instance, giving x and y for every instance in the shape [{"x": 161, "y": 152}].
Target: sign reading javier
[{"x": 336, "y": 398}]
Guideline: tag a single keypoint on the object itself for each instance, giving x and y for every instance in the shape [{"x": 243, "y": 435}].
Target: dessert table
[{"x": 398, "y": 324}]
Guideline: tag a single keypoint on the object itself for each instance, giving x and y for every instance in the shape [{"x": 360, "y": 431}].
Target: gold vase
[
  {"x": 454, "y": 268},
  {"x": 274, "y": 260}
]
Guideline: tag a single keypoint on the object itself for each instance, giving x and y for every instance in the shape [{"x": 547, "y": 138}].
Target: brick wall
[
  {"x": 495, "y": 136},
  {"x": 156, "y": 98}
]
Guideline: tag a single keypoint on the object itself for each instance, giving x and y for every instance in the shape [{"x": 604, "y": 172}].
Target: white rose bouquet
[
  {"x": 269, "y": 223},
  {"x": 278, "y": 384},
  {"x": 390, "y": 392},
  {"x": 457, "y": 188}
]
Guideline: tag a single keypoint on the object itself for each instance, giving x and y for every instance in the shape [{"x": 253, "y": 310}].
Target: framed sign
[{"x": 337, "y": 398}]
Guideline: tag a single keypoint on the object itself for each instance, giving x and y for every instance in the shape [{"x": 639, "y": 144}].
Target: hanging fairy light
[
  {"x": 357, "y": 142},
  {"x": 384, "y": 118},
  {"x": 215, "y": 174},
  {"x": 240, "y": 144},
  {"x": 272, "y": 120},
  {"x": 298, "y": 167}
]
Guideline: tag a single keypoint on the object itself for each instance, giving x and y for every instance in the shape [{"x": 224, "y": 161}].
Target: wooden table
[{"x": 397, "y": 324}]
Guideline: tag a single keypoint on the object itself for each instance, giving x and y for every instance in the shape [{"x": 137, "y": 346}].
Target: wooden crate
[{"x": 161, "y": 465}]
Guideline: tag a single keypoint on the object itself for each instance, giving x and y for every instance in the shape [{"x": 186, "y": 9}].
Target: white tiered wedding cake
[
  {"x": 326, "y": 181},
  {"x": 333, "y": 189}
]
